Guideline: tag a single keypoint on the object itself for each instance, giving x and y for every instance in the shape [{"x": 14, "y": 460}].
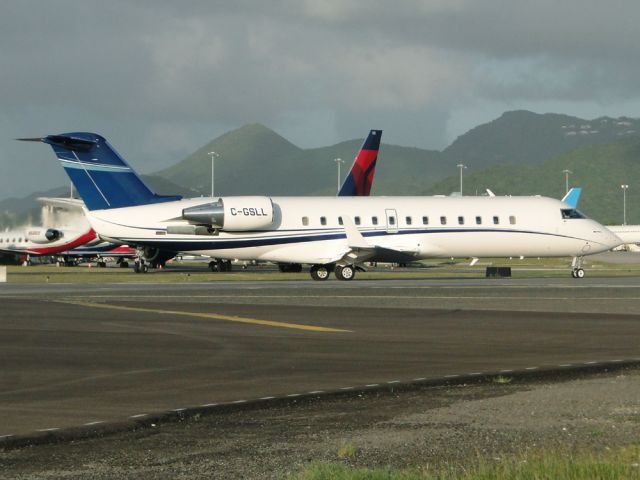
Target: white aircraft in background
[
  {"x": 60, "y": 232},
  {"x": 329, "y": 233}
]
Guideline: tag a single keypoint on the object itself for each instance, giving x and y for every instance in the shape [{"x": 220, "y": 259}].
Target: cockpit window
[{"x": 568, "y": 213}]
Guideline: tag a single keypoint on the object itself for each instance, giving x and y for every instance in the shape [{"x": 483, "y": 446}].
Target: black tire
[
  {"x": 136, "y": 267},
  {"x": 212, "y": 266},
  {"x": 579, "y": 273},
  {"x": 124, "y": 264},
  {"x": 345, "y": 273},
  {"x": 319, "y": 272}
]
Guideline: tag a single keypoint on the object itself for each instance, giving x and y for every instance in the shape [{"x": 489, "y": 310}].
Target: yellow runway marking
[{"x": 216, "y": 316}]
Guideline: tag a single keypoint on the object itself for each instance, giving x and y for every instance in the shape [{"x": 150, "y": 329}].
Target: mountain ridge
[{"x": 255, "y": 160}]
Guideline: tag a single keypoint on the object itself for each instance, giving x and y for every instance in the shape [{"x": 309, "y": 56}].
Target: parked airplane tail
[
  {"x": 360, "y": 177},
  {"x": 572, "y": 197},
  {"x": 102, "y": 177}
]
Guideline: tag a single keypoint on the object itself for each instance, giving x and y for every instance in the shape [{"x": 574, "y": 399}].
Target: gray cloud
[{"x": 160, "y": 78}]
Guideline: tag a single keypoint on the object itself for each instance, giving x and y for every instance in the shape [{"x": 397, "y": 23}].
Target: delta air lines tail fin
[
  {"x": 101, "y": 176},
  {"x": 360, "y": 178}
]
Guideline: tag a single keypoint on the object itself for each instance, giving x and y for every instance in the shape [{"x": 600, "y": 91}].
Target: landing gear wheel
[
  {"x": 319, "y": 272},
  {"x": 140, "y": 267},
  {"x": 579, "y": 273},
  {"x": 346, "y": 272}
]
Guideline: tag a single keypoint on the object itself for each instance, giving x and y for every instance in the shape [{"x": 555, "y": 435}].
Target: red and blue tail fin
[
  {"x": 101, "y": 176},
  {"x": 358, "y": 182}
]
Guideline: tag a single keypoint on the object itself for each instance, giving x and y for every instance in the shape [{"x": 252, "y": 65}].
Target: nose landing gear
[{"x": 576, "y": 268}]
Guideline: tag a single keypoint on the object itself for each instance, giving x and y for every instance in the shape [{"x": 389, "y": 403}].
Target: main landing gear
[
  {"x": 320, "y": 272},
  {"x": 342, "y": 272},
  {"x": 219, "y": 265},
  {"x": 576, "y": 268},
  {"x": 346, "y": 272}
]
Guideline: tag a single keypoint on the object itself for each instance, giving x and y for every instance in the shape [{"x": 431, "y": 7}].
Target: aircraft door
[{"x": 392, "y": 220}]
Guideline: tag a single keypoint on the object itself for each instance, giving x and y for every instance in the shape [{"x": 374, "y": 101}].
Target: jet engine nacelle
[
  {"x": 233, "y": 213},
  {"x": 44, "y": 236}
]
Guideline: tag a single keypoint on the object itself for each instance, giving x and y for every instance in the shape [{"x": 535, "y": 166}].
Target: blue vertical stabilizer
[{"x": 101, "y": 176}]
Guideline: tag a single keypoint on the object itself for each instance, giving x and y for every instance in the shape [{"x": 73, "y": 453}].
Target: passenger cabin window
[
  {"x": 356, "y": 220},
  {"x": 443, "y": 220},
  {"x": 496, "y": 220},
  {"x": 408, "y": 219},
  {"x": 568, "y": 213},
  {"x": 478, "y": 220},
  {"x": 392, "y": 220},
  {"x": 305, "y": 221},
  {"x": 425, "y": 220},
  {"x": 512, "y": 219},
  {"x": 460, "y": 220},
  {"x": 323, "y": 220},
  {"x": 374, "y": 220},
  {"x": 340, "y": 222}
]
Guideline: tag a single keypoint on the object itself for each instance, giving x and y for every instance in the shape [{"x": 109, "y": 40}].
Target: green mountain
[
  {"x": 598, "y": 169},
  {"x": 522, "y": 137},
  {"x": 253, "y": 160}
]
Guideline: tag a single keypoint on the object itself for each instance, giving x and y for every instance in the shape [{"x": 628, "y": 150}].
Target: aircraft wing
[{"x": 359, "y": 250}]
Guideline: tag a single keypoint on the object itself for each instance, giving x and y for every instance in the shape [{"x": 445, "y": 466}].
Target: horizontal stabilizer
[{"x": 74, "y": 204}]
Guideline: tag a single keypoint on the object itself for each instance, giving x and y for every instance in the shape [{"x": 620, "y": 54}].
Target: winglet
[
  {"x": 354, "y": 237},
  {"x": 572, "y": 197}
]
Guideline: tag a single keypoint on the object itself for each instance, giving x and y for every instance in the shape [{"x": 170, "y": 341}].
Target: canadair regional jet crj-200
[{"x": 329, "y": 233}]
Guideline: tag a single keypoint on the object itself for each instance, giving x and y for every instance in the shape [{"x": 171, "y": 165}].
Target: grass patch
[
  {"x": 348, "y": 451},
  {"x": 176, "y": 272},
  {"x": 501, "y": 380},
  {"x": 617, "y": 464}
]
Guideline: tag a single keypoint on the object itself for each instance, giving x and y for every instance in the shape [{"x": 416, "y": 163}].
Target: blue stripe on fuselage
[{"x": 227, "y": 244}]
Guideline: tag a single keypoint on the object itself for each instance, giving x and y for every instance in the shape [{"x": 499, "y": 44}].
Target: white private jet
[{"x": 329, "y": 233}]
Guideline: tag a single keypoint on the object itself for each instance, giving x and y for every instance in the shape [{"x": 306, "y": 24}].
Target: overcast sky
[{"x": 161, "y": 78}]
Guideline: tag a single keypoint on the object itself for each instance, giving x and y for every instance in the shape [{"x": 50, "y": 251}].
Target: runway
[{"x": 78, "y": 354}]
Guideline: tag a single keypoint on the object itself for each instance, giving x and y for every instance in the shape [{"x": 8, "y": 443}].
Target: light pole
[
  {"x": 566, "y": 180},
  {"x": 624, "y": 203},
  {"x": 461, "y": 167},
  {"x": 338, "y": 161},
  {"x": 214, "y": 155}
]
